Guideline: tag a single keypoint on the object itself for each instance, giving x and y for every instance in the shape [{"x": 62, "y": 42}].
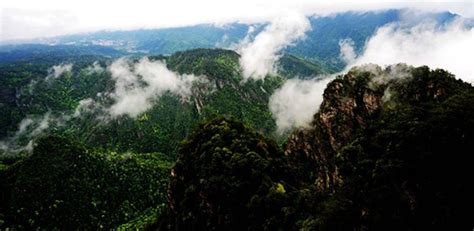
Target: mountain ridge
[{"x": 317, "y": 47}]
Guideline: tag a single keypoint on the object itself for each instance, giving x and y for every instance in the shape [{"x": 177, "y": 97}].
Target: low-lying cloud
[
  {"x": 294, "y": 104},
  {"x": 347, "y": 52},
  {"x": 137, "y": 88},
  {"x": 29, "y": 128},
  {"x": 58, "y": 70},
  {"x": 94, "y": 68},
  {"x": 137, "y": 85},
  {"x": 258, "y": 56},
  {"x": 26, "y": 19},
  {"x": 449, "y": 47}
]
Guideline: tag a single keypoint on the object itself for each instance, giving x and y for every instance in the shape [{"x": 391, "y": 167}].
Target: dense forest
[
  {"x": 388, "y": 148},
  {"x": 382, "y": 153},
  {"x": 41, "y": 104},
  {"x": 28, "y": 92}
]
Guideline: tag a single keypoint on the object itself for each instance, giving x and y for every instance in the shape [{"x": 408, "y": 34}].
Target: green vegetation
[
  {"x": 379, "y": 163},
  {"x": 392, "y": 169},
  {"x": 39, "y": 52},
  {"x": 293, "y": 66},
  {"x": 227, "y": 177},
  {"x": 66, "y": 186},
  {"x": 27, "y": 93},
  {"x": 387, "y": 150}
]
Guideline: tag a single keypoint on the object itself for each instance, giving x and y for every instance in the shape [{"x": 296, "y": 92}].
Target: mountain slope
[
  {"x": 63, "y": 185},
  {"x": 293, "y": 66},
  {"x": 376, "y": 157},
  {"x": 379, "y": 141},
  {"x": 37, "y": 52},
  {"x": 31, "y": 93}
]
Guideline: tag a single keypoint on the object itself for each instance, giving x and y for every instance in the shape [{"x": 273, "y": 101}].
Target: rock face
[
  {"x": 352, "y": 102},
  {"x": 346, "y": 108},
  {"x": 392, "y": 144}
]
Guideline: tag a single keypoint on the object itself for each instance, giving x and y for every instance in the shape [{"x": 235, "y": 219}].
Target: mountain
[
  {"x": 82, "y": 162},
  {"x": 163, "y": 129},
  {"x": 372, "y": 159},
  {"x": 293, "y": 66},
  {"x": 321, "y": 43},
  {"x": 160, "y": 41},
  {"x": 202, "y": 154},
  {"x": 36, "y": 52},
  {"x": 31, "y": 94},
  {"x": 224, "y": 164}
]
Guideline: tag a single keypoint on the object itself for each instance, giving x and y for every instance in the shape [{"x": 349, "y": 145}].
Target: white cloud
[
  {"x": 450, "y": 47},
  {"x": 347, "y": 52},
  {"x": 41, "y": 125},
  {"x": 29, "y": 128},
  {"x": 85, "y": 105},
  {"x": 23, "y": 19},
  {"x": 258, "y": 57},
  {"x": 137, "y": 85},
  {"x": 94, "y": 68},
  {"x": 58, "y": 70},
  {"x": 294, "y": 104}
]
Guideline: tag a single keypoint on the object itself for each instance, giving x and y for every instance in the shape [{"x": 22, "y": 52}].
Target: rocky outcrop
[
  {"x": 348, "y": 105},
  {"x": 351, "y": 103}
]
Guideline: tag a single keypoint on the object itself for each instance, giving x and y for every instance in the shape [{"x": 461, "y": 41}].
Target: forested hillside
[
  {"x": 31, "y": 93},
  {"x": 237, "y": 115},
  {"x": 387, "y": 150},
  {"x": 376, "y": 156},
  {"x": 79, "y": 155}
]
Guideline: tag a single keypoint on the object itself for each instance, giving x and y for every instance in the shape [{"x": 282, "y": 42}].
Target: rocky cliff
[{"x": 400, "y": 121}]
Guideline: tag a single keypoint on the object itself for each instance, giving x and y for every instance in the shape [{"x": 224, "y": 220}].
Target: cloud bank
[
  {"x": 347, "y": 52},
  {"x": 294, "y": 104},
  {"x": 26, "y": 19},
  {"x": 258, "y": 56},
  {"x": 449, "y": 47},
  {"x": 29, "y": 128},
  {"x": 137, "y": 85},
  {"x": 94, "y": 68},
  {"x": 58, "y": 70}
]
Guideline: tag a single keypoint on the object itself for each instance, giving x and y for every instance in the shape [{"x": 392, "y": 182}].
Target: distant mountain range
[{"x": 320, "y": 45}]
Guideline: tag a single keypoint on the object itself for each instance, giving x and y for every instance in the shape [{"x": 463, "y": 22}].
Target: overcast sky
[{"x": 24, "y": 19}]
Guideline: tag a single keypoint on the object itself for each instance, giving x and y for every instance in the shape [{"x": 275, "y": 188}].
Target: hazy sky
[{"x": 23, "y": 19}]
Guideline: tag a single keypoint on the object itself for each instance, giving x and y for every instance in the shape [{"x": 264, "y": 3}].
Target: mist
[
  {"x": 137, "y": 85},
  {"x": 28, "y": 19},
  {"x": 29, "y": 128},
  {"x": 94, "y": 68},
  {"x": 294, "y": 104},
  {"x": 57, "y": 70},
  {"x": 258, "y": 56},
  {"x": 449, "y": 47}
]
